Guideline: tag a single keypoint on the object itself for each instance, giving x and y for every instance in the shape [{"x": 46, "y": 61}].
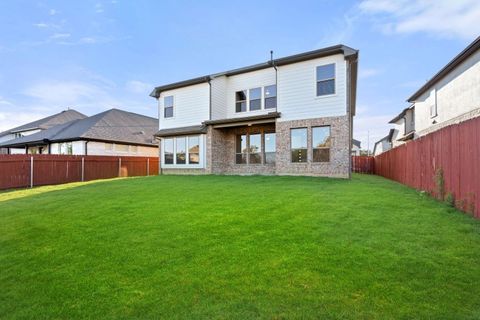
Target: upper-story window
[
  {"x": 168, "y": 107},
  {"x": 326, "y": 79},
  {"x": 255, "y": 99},
  {"x": 241, "y": 101},
  {"x": 433, "y": 105},
  {"x": 270, "y": 97}
]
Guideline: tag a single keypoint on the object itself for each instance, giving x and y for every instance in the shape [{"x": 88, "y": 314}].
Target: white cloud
[
  {"x": 98, "y": 8},
  {"x": 136, "y": 86},
  {"x": 41, "y": 25},
  {"x": 60, "y": 36},
  {"x": 365, "y": 73},
  {"x": 441, "y": 18},
  {"x": 9, "y": 120},
  {"x": 52, "y": 12}
]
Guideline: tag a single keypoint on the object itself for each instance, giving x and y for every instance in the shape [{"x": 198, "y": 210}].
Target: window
[
  {"x": 270, "y": 97},
  {"x": 326, "y": 79},
  {"x": 108, "y": 146},
  {"x": 168, "y": 151},
  {"x": 193, "y": 150},
  {"x": 433, "y": 106},
  {"x": 168, "y": 107},
  {"x": 65, "y": 148},
  {"x": 270, "y": 148},
  {"x": 255, "y": 99},
  {"x": 255, "y": 148},
  {"x": 181, "y": 151},
  {"x": 241, "y": 149},
  {"x": 321, "y": 142},
  {"x": 121, "y": 147},
  {"x": 298, "y": 139},
  {"x": 241, "y": 101}
]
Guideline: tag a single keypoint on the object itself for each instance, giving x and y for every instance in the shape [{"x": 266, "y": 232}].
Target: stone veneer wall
[{"x": 339, "y": 165}]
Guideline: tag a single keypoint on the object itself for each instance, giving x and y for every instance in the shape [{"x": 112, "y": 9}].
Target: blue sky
[{"x": 95, "y": 55}]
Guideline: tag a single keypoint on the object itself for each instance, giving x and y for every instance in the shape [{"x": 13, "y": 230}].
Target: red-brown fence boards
[
  {"x": 455, "y": 149},
  {"x": 15, "y": 170},
  {"x": 363, "y": 164}
]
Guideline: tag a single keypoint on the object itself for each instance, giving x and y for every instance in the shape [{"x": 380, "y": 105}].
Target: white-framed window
[
  {"x": 298, "y": 144},
  {"x": 255, "y": 148},
  {"x": 108, "y": 146},
  {"x": 255, "y": 99},
  {"x": 270, "y": 94},
  {"x": 241, "y": 101},
  {"x": 65, "y": 148},
  {"x": 121, "y": 147},
  {"x": 182, "y": 152},
  {"x": 325, "y": 79},
  {"x": 270, "y": 147},
  {"x": 168, "y": 107},
  {"x": 321, "y": 143},
  {"x": 433, "y": 104}
]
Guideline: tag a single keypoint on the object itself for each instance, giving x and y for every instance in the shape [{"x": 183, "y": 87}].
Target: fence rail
[
  {"x": 19, "y": 171},
  {"x": 454, "y": 149}
]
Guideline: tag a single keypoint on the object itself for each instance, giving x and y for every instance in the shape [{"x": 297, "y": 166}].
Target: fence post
[
  {"x": 119, "y": 167},
  {"x": 83, "y": 169},
  {"x": 31, "y": 171},
  {"x": 148, "y": 167}
]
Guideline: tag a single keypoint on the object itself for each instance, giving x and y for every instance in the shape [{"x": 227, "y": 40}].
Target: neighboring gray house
[
  {"x": 37, "y": 126},
  {"x": 383, "y": 144},
  {"x": 113, "y": 132},
  {"x": 287, "y": 116}
]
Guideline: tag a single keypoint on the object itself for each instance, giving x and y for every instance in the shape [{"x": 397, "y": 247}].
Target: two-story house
[{"x": 287, "y": 116}]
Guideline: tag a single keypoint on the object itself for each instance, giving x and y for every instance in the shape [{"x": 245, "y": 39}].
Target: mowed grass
[{"x": 229, "y": 247}]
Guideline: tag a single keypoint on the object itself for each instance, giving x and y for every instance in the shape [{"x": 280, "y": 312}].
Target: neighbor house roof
[
  {"x": 461, "y": 57},
  {"x": 401, "y": 114},
  {"x": 348, "y": 52},
  {"x": 112, "y": 126},
  {"x": 356, "y": 142},
  {"x": 48, "y": 122},
  {"x": 386, "y": 138}
]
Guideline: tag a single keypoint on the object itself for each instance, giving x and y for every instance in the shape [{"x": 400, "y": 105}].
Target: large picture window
[
  {"x": 255, "y": 99},
  {"x": 270, "y": 148},
  {"x": 168, "y": 107},
  {"x": 193, "y": 150},
  {"x": 298, "y": 138},
  {"x": 168, "y": 151},
  {"x": 321, "y": 142},
  {"x": 270, "y": 97},
  {"x": 241, "y": 101},
  {"x": 255, "y": 149},
  {"x": 326, "y": 79},
  {"x": 181, "y": 151}
]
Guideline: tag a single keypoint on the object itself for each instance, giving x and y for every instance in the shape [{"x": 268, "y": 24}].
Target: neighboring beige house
[
  {"x": 404, "y": 127},
  {"x": 35, "y": 127},
  {"x": 383, "y": 144},
  {"x": 288, "y": 116},
  {"x": 113, "y": 133}
]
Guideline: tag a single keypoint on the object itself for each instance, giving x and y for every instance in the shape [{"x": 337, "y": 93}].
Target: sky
[{"x": 92, "y": 56}]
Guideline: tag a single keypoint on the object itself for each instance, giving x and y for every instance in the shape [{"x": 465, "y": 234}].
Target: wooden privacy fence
[
  {"x": 19, "y": 171},
  {"x": 454, "y": 150},
  {"x": 363, "y": 164}
]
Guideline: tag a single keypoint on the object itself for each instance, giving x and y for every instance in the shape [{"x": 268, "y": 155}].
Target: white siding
[
  {"x": 297, "y": 97},
  {"x": 78, "y": 148},
  {"x": 245, "y": 81},
  {"x": 456, "y": 94},
  {"x": 191, "y": 106},
  {"x": 219, "y": 98}
]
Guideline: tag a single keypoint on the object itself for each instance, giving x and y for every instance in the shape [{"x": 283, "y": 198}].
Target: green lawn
[{"x": 203, "y": 247}]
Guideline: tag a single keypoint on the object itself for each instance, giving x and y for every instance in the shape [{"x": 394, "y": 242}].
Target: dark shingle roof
[
  {"x": 112, "y": 125},
  {"x": 48, "y": 122},
  {"x": 356, "y": 142}
]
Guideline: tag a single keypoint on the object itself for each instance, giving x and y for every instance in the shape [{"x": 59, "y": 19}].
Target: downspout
[
  {"x": 350, "y": 117},
  {"x": 272, "y": 62}
]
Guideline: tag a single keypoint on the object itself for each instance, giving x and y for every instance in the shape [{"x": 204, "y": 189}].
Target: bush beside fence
[{"x": 19, "y": 171}]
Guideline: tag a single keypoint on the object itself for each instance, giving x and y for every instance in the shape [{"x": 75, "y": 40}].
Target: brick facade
[{"x": 220, "y": 150}]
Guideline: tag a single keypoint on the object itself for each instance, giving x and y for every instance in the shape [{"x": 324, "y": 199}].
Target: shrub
[{"x": 440, "y": 184}]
